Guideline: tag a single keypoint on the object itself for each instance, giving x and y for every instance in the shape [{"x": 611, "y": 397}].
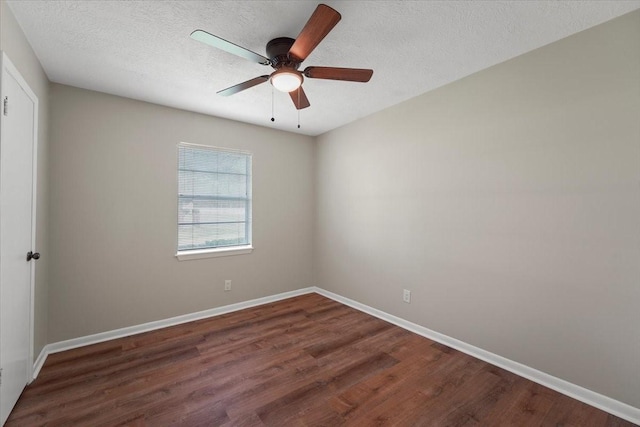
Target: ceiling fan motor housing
[{"x": 278, "y": 53}]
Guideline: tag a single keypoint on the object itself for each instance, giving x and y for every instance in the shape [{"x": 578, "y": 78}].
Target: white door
[{"x": 17, "y": 211}]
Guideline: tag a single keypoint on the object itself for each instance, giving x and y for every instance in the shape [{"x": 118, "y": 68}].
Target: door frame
[{"x": 7, "y": 65}]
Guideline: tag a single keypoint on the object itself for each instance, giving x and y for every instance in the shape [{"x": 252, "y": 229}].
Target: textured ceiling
[{"x": 142, "y": 49}]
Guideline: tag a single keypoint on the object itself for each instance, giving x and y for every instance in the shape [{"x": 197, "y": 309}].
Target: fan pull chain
[
  {"x": 299, "y": 90},
  {"x": 272, "y": 108}
]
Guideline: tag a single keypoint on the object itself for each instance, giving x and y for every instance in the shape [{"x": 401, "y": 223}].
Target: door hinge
[
  {"x": 6, "y": 105},
  {"x": 0, "y": 376}
]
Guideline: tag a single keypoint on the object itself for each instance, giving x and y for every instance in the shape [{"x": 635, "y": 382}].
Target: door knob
[{"x": 31, "y": 255}]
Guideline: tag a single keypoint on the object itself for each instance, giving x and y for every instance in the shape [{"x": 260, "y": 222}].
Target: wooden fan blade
[
  {"x": 227, "y": 46},
  {"x": 299, "y": 98},
  {"x": 333, "y": 73},
  {"x": 242, "y": 86},
  {"x": 317, "y": 27}
]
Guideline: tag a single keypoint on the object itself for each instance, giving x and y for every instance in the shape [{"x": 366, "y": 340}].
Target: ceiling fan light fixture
[{"x": 286, "y": 80}]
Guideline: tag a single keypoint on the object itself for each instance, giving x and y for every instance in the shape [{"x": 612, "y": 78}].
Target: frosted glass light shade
[{"x": 286, "y": 80}]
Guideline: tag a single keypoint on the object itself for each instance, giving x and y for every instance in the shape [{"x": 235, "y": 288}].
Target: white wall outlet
[
  {"x": 406, "y": 295},
  {"x": 227, "y": 285}
]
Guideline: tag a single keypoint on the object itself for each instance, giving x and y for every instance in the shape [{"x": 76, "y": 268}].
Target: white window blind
[{"x": 214, "y": 198}]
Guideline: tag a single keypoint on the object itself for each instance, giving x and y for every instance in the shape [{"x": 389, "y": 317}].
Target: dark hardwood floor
[{"x": 302, "y": 361}]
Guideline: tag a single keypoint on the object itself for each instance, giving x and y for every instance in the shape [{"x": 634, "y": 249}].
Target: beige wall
[
  {"x": 508, "y": 203},
  {"x": 114, "y": 206},
  {"x": 17, "y": 48}
]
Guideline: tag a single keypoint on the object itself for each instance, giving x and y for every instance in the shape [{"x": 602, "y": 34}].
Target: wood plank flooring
[{"x": 302, "y": 361}]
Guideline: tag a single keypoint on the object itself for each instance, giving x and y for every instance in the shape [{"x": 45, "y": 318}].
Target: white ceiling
[{"x": 142, "y": 49}]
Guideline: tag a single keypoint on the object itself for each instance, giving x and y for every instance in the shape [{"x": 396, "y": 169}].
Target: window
[{"x": 214, "y": 202}]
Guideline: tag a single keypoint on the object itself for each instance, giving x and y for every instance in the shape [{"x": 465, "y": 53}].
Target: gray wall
[
  {"x": 114, "y": 206},
  {"x": 17, "y": 48},
  {"x": 508, "y": 203}
]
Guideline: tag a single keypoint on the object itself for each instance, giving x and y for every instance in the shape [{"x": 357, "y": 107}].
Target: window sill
[{"x": 213, "y": 253}]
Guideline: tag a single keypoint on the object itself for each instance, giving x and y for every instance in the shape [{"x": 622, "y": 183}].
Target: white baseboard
[
  {"x": 37, "y": 365},
  {"x": 582, "y": 394},
  {"x": 57, "y": 347},
  {"x": 577, "y": 392}
]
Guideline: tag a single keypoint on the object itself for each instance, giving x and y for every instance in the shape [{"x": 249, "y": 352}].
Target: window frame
[{"x": 190, "y": 254}]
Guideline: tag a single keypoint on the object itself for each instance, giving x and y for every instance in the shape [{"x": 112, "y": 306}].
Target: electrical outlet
[
  {"x": 406, "y": 296},
  {"x": 227, "y": 285}
]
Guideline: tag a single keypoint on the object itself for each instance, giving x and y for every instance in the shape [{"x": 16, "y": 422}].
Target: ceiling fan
[{"x": 285, "y": 55}]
